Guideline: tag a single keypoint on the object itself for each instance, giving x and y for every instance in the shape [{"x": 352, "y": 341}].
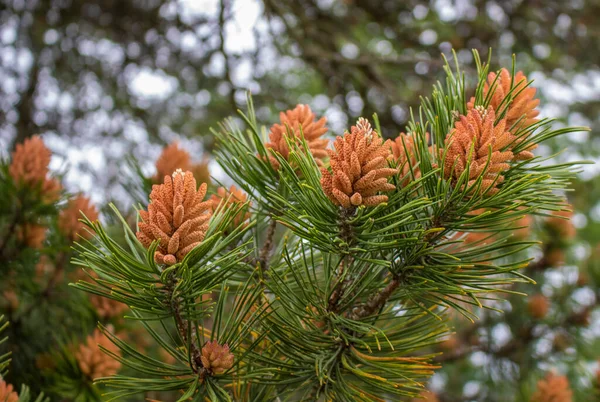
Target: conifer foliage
[{"x": 330, "y": 271}]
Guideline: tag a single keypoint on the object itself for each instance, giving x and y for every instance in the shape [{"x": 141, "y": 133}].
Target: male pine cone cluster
[
  {"x": 92, "y": 361},
  {"x": 177, "y": 217},
  {"x": 358, "y": 168},
  {"x": 29, "y": 167},
  {"x": 302, "y": 122},
  {"x": 216, "y": 358}
]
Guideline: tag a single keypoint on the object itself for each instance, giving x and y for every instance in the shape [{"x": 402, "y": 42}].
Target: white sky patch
[{"x": 152, "y": 84}]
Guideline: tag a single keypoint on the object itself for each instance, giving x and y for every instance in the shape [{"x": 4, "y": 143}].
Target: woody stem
[{"x": 265, "y": 252}]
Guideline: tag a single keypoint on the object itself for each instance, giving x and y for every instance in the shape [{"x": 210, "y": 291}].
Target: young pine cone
[
  {"x": 177, "y": 217},
  {"x": 92, "y": 361},
  {"x": 29, "y": 167},
  {"x": 6, "y": 393},
  {"x": 523, "y": 106},
  {"x": 475, "y": 139},
  {"x": 216, "y": 358},
  {"x": 313, "y": 130},
  {"x": 233, "y": 197},
  {"x": 68, "y": 220},
  {"x": 553, "y": 388},
  {"x": 404, "y": 154},
  {"x": 358, "y": 168},
  {"x": 538, "y": 306},
  {"x": 31, "y": 234},
  {"x": 173, "y": 157}
]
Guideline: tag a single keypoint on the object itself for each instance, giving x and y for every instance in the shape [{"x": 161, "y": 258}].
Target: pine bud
[
  {"x": 358, "y": 168},
  {"x": 177, "y": 217},
  {"x": 216, "y": 358},
  {"x": 68, "y": 220},
  {"x": 553, "y": 388},
  {"x": 478, "y": 140},
  {"x": 538, "y": 306},
  {"x": 6, "y": 393},
  {"x": 92, "y": 361},
  {"x": 302, "y": 122},
  {"x": 29, "y": 168}
]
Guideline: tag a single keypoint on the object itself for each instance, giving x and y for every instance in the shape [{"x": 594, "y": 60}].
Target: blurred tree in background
[{"x": 101, "y": 80}]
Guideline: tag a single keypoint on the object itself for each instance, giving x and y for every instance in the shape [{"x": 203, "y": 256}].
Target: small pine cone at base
[
  {"x": 216, "y": 358},
  {"x": 68, "y": 220},
  {"x": 553, "y": 388},
  {"x": 302, "y": 122},
  {"x": 475, "y": 139},
  {"x": 177, "y": 217},
  {"x": 92, "y": 361},
  {"x": 359, "y": 169},
  {"x": 7, "y": 394},
  {"x": 29, "y": 167}
]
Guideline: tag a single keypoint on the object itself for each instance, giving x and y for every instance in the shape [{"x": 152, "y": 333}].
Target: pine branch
[{"x": 265, "y": 252}]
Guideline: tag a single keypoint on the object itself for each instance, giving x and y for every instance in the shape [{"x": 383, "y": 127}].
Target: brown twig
[{"x": 265, "y": 252}]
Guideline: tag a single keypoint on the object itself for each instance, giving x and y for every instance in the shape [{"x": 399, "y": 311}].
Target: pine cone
[
  {"x": 313, "y": 130},
  {"x": 68, "y": 220},
  {"x": 176, "y": 217},
  {"x": 477, "y": 130},
  {"x": 553, "y": 388},
  {"x": 31, "y": 234},
  {"x": 216, "y": 358},
  {"x": 29, "y": 167},
  {"x": 6, "y": 393},
  {"x": 173, "y": 157},
  {"x": 560, "y": 226},
  {"x": 538, "y": 306},
  {"x": 358, "y": 168},
  {"x": 92, "y": 361},
  {"x": 523, "y": 105},
  {"x": 404, "y": 154},
  {"x": 233, "y": 196}
]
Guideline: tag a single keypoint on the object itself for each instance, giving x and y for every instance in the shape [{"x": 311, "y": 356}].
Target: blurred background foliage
[{"x": 102, "y": 80}]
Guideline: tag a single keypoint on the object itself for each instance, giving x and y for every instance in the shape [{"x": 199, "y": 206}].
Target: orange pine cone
[
  {"x": 538, "y": 306},
  {"x": 177, "y": 217},
  {"x": 561, "y": 226},
  {"x": 523, "y": 106},
  {"x": 105, "y": 307},
  {"x": 216, "y": 358},
  {"x": 31, "y": 234},
  {"x": 358, "y": 168},
  {"x": 553, "y": 388},
  {"x": 477, "y": 130},
  {"x": 299, "y": 117},
  {"x": 171, "y": 159},
  {"x": 404, "y": 154},
  {"x": 6, "y": 393},
  {"x": 92, "y": 361},
  {"x": 68, "y": 220},
  {"x": 29, "y": 167},
  {"x": 232, "y": 197}
]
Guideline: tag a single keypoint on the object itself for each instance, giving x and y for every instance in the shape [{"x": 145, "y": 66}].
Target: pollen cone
[
  {"x": 92, "y": 361},
  {"x": 553, "y": 388},
  {"x": 359, "y": 169},
  {"x": 216, "y": 358},
  {"x": 475, "y": 139},
  {"x": 29, "y": 167},
  {"x": 522, "y": 108},
  {"x": 177, "y": 217},
  {"x": 68, "y": 220},
  {"x": 301, "y": 121}
]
